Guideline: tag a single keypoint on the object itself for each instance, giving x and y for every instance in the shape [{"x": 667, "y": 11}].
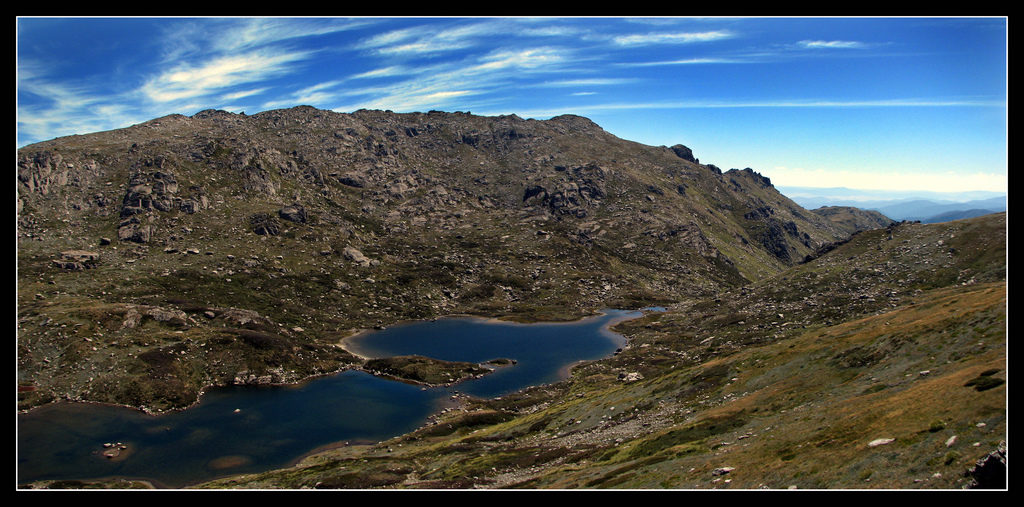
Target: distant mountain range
[{"x": 928, "y": 207}]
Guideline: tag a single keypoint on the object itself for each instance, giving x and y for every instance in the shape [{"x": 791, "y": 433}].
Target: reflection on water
[{"x": 246, "y": 429}]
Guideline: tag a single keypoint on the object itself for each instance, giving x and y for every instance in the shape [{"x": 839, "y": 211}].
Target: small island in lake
[{"x": 425, "y": 370}]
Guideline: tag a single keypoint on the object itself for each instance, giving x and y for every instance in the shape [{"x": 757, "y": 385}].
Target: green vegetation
[{"x": 425, "y": 370}]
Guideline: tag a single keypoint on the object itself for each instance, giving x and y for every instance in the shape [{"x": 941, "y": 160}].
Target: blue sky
[{"x": 875, "y": 103}]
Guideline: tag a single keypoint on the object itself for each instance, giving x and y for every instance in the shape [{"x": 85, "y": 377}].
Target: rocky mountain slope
[
  {"x": 223, "y": 248},
  {"x": 159, "y": 259}
]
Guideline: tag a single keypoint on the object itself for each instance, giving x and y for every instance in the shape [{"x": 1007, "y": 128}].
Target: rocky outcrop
[
  {"x": 578, "y": 192},
  {"x": 43, "y": 172},
  {"x": 265, "y": 224},
  {"x": 149, "y": 191},
  {"x": 257, "y": 165},
  {"x": 684, "y": 153},
  {"x": 989, "y": 472},
  {"x": 77, "y": 260},
  {"x": 133, "y": 230}
]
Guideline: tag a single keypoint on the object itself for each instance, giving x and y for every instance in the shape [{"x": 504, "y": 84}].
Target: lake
[{"x": 246, "y": 429}]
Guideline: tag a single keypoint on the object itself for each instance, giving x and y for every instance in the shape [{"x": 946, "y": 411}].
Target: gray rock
[
  {"x": 293, "y": 213},
  {"x": 354, "y": 255},
  {"x": 264, "y": 224},
  {"x": 684, "y": 153},
  {"x": 135, "y": 233}
]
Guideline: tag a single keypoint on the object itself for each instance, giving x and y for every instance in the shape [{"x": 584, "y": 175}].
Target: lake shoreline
[{"x": 346, "y": 344}]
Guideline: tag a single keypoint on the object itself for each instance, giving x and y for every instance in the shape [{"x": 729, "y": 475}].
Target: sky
[{"x": 872, "y": 103}]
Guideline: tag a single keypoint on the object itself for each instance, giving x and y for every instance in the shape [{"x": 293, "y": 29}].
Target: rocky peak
[{"x": 684, "y": 153}]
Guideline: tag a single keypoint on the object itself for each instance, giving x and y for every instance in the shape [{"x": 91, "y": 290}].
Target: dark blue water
[
  {"x": 542, "y": 351},
  {"x": 275, "y": 425}
]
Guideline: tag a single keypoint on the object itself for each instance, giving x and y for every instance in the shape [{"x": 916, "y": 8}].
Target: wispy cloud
[
  {"x": 552, "y": 31},
  {"x": 199, "y": 39},
  {"x": 424, "y": 39},
  {"x": 530, "y": 58},
  {"x": 391, "y": 71},
  {"x": 686, "y": 61},
  {"x": 63, "y": 108},
  {"x": 590, "y": 82},
  {"x": 671, "y": 38},
  {"x": 315, "y": 95},
  {"x": 439, "y": 85},
  {"x": 242, "y": 93},
  {"x": 412, "y": 98},
  {"x": 831, "y": 44},
  {"x": 188, "y": 81},
  {"x": 252, "y": 33}
]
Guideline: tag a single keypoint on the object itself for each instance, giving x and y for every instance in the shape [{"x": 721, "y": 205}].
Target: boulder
[
  {"x": 354, "y": 255},
  {"x": 881, "y": 441},
  {"x": 293, "y": 213},
  {"x": 352, "y": 180},
  {"x": 264, "y": 224},
  {"x": 135, "y": 232}
]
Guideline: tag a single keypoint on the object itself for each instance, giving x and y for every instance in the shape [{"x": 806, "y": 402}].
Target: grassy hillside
[{"x": 764, "y": 391}]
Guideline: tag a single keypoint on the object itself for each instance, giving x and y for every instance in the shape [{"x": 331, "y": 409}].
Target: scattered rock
[
  {"x": 881, "y": 441},
  {"x": 354, "y": 255},
  {"x": 630, "y": 377}
]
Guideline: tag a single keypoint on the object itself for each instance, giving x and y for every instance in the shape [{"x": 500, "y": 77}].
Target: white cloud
[
  {"x": 187, "y": 81},
  {"x": 552, "y": 31},
  {"x": 840, "y": 44},
  {"x": 242, "y": 93},
  {"x": 394, "y": 70},
  {"x": 440, "y": 84},
  {"x": 424, "y": 39},
  {"x": 257, "y": 32},
  {"x": 590, "y": 82},
  {"x": 420, "y": 47},
  {"x": 65, "y": 109},
  {"x": 671, "y": 38},
  {"x": 189, "y": 39},
  {"x": 409, "y": 100},
  {"x": 531, "y": 58},
  {"x": 688, "y": 61}
]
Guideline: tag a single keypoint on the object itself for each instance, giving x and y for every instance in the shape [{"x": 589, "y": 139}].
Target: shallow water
[{"x": 245, "y": 429}]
